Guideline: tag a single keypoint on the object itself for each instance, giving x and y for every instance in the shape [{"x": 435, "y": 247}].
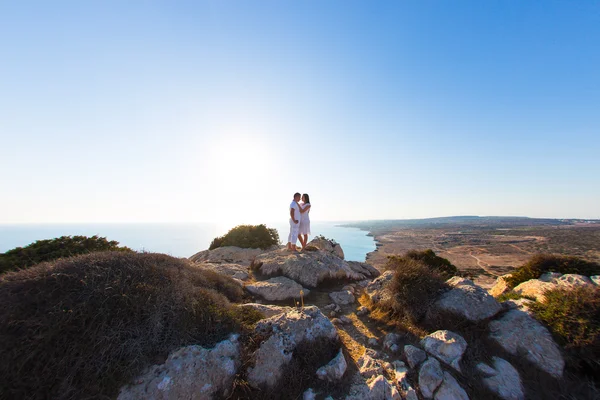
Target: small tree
[{"x": 248, "y": 237}]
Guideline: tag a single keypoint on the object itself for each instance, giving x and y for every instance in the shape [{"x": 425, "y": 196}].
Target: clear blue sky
[{"x": 220, "y": 110}]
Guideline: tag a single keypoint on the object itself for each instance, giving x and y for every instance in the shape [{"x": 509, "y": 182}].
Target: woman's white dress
[{"x": 305, "y": 221}]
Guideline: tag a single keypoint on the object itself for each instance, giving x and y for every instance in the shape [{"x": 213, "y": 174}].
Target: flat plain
[{"x": 484, "y": 247}]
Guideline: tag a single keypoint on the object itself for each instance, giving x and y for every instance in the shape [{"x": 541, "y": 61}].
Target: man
[{"x": 294, "y": 223}]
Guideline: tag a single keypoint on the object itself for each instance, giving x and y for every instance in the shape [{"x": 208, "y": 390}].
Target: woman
[{"x": 304, "y": 230}]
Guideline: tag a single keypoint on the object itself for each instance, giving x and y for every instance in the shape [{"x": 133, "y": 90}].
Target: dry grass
[{"x": 82, "y": 327}]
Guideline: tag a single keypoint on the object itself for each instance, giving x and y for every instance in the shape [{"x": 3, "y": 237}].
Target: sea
[{"x": 176, "y": 239}]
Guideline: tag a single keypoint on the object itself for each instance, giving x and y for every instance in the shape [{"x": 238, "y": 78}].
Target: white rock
[
  {"x": 236, "y": 271},
  {"x": 519, "y": 333},
  {"x": 343, "y": 297},
  {"x": 503, "y": 379},
  {"x": 192, "y": 372},
  {"x": 334, "y": 370},
  {"x": 390, "y": 340},
  {"x": 550, "y": 277},
  {"x": 466, "y": 300},
  {"x": 286, "y": 331},
  {"x": 450, "y": 389},
  {"x": 267, "y": 310},
  {"x": 534, "y": 288},
  {"x": 378, "y": 289},
  {"x": 430, "y": 377},
  {"x": 228, "y": 254},
  {"x": 368, "y": 366},
  {"x": 501, "y": 286},
  {"x": 277, "y": 289},
  {"x": 329, "y": 246},
  {"x": 519, "y": 304},
  {"x": 446, "y": 346},
  {"x": 414, "y": 355},
  {"x": 381, "y": 388},
  {"x": 571, "y": 281},
  {"x": 595, "y": 279}
]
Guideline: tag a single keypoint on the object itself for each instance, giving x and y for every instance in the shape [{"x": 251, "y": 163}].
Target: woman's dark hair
[{"x": 305, "y": 196}]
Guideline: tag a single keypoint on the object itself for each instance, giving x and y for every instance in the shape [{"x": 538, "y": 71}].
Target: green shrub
[
  {"x": 573, "y": 315},
  {"x": 52, "y": 249},
  {"x": 81, "y": 327},
  {"x": 248, "y": 237},
  {"x": 543, "y": 263},
  {"x": 428, "y": 257},
  {"x": 414, "y": 288}
]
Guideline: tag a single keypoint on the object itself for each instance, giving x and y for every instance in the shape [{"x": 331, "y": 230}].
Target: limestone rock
[
  {"x": 519, "y": 304},
  {"x": 467, "y": 300},
  {"x": 192, "y": 372},
  {"x": 595, "y": 280},
  {"x": 430, "y": 377},
  {"x": 501, "y": 286},
  {"x": 307, "y": 268},
  {"x": 285, "y": 331},
  {"x": 266, "y": 309},
  {"x": 277, "y": 289},
  {"x": 364, "y": 268},
  {"x": 329, "y": 246},
  {"x": 503, "y": 379},
  {"x": 401, "y": 376},
  {"x": 519, "y": 333},
  {"x": 571, "y": 281},
  {"x": 390, "y": 340},
  {"x": 227, "y": 254},
  {"x": 534, "y": 288},
  {"x": 446, "y": 346},
  {"x": 381, "y": 388},
  {"x": 235, "y": 271},
  {"x": 377, "y": 290},
  {"x": 334, "y": 370},
  {"x": 550, "y": 277},
  {"x": 343, "y": 297},
  {"x": 450, "y": 389},
  {"x": 368, "y": 365},
  {"x": 414, "y": 355}
]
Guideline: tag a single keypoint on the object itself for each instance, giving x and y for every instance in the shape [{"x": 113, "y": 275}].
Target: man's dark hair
[{"x": 296, "y": 194}]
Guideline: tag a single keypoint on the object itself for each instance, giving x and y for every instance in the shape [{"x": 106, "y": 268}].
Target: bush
[
  {"x": 543, "y": 263},
  {"x": 82, "y": 327},
  {"x": 414, "y": 288},
  {"x": 428, "y": 257},
  {"x": 52, "y": 249},
  {"x": 248, "y": 237},
  {"x": 573, "y": 315}
]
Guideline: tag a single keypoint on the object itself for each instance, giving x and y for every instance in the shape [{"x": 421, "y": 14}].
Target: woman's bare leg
[
  {"x": 301, "y": 242},
  {"x": 305, "y": 240}
]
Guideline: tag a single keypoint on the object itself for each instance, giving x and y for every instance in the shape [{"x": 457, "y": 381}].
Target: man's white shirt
[{"x": 294, "y": 206}]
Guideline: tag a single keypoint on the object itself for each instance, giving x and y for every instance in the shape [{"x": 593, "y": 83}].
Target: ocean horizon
[{"x": 175, "y": 239}]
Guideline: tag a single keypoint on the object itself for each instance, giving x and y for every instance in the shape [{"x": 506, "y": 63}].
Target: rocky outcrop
[
  {"x": 227, "y": 254},
  {"x": 267, "y": 310},
  {"x": 466, "y": 300},
  {"x": 447, "y": 346},
  {"x": 570, "y": 281},
  {"x": 414, "y": 355},
  {"x": 285, "y": 332},
  {"x": 501, "y": 286},
  {"x": 430, "y": 377},
  {"x": 502, "y": 379},
  {"x": 308, "y": 268},
  {"x": 238, "y": 272},
  {"x": 378, "y": 289},
  {"x": 334, "y": 370},
  {"x": 192, "y": 372},
  {"x": 277, "y": 289},
  {"x": 534, "y": 288},
  {"x": 595, "y": 280},
  {"x": 342, "y": 298},
  {"x": 329, "y": 246},
  {"x": 518, "y": 333},
  {"x": 450, "y": 389}
]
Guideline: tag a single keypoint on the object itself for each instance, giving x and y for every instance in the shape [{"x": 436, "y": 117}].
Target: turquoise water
[{"x": 179, "y": 240}]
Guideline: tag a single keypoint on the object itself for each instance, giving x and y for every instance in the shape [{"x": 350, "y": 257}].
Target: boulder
[
  {"x": 334, "y": 370},
  {"x": 368, "y": 365},
  {"x": 519, "y": 333},
  {"x": 447, "y": 346},
  {"x": 277, "y": 289},
  {"x": 466, "y": 300},
  {"x": 550, "y": 277},
  {"x": 267, "y": 310},
  {"x": 450, "y": 389},
  {"x": 381, "y": 388},
  {"x": 342, "y": 298},
  {"x": 378, "y": 290},
  {"x": 227, "y": 254},
  {"x": 414, "y": 355},
  {"x": 502, "y": 379},
  {"x": 235, "y": 271},
  {"x": 534, "y": 288},
  {"x": 519, "y": 304},
  {"x": 390, "y": 342},
  {"x": 501, "y": 286},
  {"x": 307, "y": 268},
  {"x": 401, "y": 377},
  {"x": 430, "y": 377},
  {"x": 285, "y": 332},
  {"x": 192, "y": 372},
  {"x": 570, "y": 281},
  {"x": 329, "y": 246},
  {"x": 364, "y": 268},
  {"x": 595, "y": 279}
]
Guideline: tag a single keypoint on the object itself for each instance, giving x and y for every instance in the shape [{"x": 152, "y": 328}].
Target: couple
[{"x": 299, "y": 221}]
